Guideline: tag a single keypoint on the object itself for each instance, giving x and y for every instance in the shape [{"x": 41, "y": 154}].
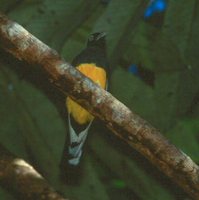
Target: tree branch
[
  {"x": 17, "y": 175},
  {"x": 128, "y": 126}
]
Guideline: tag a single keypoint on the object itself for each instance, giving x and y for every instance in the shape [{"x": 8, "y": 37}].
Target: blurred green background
[{"x": 33, "y": 118}]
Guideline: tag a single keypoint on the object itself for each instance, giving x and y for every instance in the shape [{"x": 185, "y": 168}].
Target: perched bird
[{"x": 92, "y": 62}]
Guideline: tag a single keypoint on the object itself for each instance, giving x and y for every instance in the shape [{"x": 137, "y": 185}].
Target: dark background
[{"x": 33, "y": 118}]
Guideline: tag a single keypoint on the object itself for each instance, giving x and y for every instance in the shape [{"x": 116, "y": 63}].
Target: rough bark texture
[
  {"x": 124, "y": 123},
  {"x": 20, "y": 177}
]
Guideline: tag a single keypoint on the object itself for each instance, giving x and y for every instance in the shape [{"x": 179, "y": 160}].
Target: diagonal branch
[
  {"x": 23, "y": 179},
  {"x": 128, "y": 126}
]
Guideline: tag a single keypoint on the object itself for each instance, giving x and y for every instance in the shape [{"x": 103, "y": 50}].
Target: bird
[{"x": 92, "y": 62}]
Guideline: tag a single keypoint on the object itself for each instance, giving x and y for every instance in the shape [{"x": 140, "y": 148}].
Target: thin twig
[{"x": 128, "y": 126}]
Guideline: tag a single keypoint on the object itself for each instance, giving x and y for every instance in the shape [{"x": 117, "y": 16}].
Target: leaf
[
  {"x": 90, "y": 186},
  {"x": 181, "y": 16},
  {"x": 33, "y": 137},
  {"x": 185, "y": 135},
  {"x": 176, "y": 86},
  {"x": 5, "y": 195},
  {"x": 193, "y": 46},
  {"x": 134, "y": 93},
  {"x": 9, "y": 133},
  {"x": 115, "y": 21},
  {"x": 51, "y": 22},
  {"x": 124, "y": 164},
  {"x": 78, "y": 39},
  {"x": 175, "y": 83},
  {"x": 139, "y": 47},
  {"x": 6, "y": 6}
]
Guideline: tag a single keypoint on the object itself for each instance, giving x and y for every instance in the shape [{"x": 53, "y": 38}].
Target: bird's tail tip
[{"x": 70, "y": 174}]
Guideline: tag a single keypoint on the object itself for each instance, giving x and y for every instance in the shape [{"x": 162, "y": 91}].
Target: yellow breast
[{"x": 98, "y": 75}]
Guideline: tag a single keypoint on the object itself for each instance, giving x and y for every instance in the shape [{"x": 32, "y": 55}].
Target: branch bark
[
  {"x": 23, "y": 180},
  {"x": 125, "y": 124}
]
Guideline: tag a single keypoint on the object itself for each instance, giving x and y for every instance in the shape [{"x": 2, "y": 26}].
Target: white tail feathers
[{"x": 76, "y": 143}]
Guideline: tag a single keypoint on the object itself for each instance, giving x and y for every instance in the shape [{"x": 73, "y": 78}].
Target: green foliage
[
  {"x": 33, "y": 120},
  {"x": 185, "y": 135}
]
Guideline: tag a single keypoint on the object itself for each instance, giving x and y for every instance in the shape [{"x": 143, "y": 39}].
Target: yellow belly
[{"x": 98, "y": 75}]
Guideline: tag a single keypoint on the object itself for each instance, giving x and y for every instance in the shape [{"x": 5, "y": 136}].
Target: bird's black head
[{"x": 97, "y": 39}]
